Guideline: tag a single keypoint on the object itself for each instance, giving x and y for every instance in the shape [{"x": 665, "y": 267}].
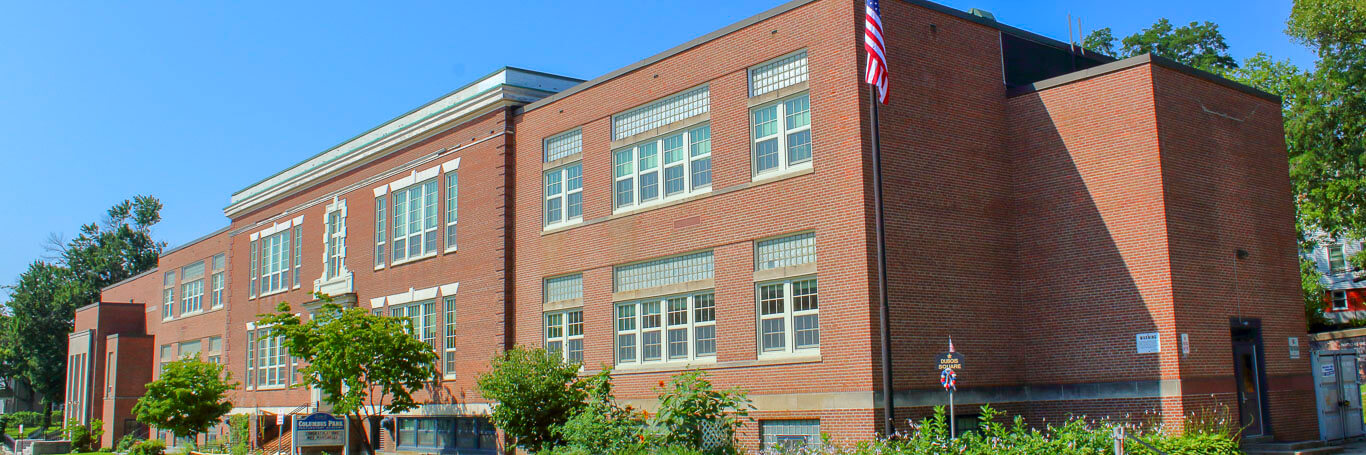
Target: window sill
[
  {"x": 275, "y": 292},
  {"x": 450, "y": 250},
  {"x": 791, "y": 171},
  {"x": 665, "y": 366},
  {"x": 413, "y": 259},
  {"x": 805, "y": 355},
  {"x": 712, "y": 364},
  {"x": 557, "y": 227},
  {"x": 648, "y": 206}
]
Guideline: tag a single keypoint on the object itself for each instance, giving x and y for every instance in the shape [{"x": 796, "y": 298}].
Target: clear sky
[{"x": 192, "y": 101}]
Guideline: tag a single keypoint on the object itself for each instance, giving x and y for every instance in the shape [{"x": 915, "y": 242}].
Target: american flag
[{"x": 877, "y": 51}]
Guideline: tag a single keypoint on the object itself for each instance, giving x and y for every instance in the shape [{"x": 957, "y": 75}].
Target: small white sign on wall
[
  {"x": 1294, "y": 347},
  {"x": 1148, "y": 343},
  {"x": 1185, "y": 344}
]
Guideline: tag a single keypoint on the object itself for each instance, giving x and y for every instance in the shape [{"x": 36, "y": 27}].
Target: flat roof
[{"x": 1139, "y": 60}]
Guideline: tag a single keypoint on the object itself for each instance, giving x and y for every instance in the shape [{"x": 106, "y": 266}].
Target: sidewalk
[{"x": 1354, "y": 448}]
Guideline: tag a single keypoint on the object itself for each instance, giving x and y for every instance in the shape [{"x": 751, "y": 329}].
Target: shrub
[
  {"x": 31, "y": 419},
  {"x": 536, "y": 391},
  {"x": 84, "y": 439},
  {"x": 693, "y": 414},
  {"x": 127, "y": 442},
  {"x": 603, "y": 426},
  {"x": 149, "y": 447},
  {"x": 238, "y": 434}
]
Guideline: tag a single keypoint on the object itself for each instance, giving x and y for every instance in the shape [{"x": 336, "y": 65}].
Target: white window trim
[
  {"x": 563, "y": 195},
  {"x": 661, "y": 198},
  {"x": 185, "y": 298},
  {"x": 381, "y": 227},
  {"x": 424, "y": 230},
  {"x": 450, "y": 241},
  {"x": 784, "y": 167},
  {"x": 168, "y": 301},
  {"x": 664, "y": 359},
  {"x": 790, "y": 348},
  {"x": 343, "y": 280},
  {"x": 449, "y": 334},
  {"x": 564, "y": 337},
  {"x": 1345, "y": 303},
  {"x": 285, "y": 269},
  {"x": 282, "y": 354}
]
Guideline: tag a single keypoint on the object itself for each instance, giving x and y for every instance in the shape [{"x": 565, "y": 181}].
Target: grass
[{"x": 13, "y": 432}]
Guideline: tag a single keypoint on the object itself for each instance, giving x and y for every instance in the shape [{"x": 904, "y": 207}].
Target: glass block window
[
  {"x": 666, "y": 329},
  {"x": 789, "y": 316},
  {"x": 563, "y": 144},
  {"x": 566, "y": 287},
  {"x": 789, "y": 435},
  {"x": 781, "y": 72},
  {"x": 785, "y": 251},
  {"x": 781, "y": 134},
  {"x": 669, "y": 167},
  {"x": 564, "y": 334},
  {"x": 660, "y": 272},
  {"x": 663, "y": 112}
]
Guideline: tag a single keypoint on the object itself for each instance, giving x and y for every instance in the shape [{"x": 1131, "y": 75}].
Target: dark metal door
[{"x": 1249, "y": 385}]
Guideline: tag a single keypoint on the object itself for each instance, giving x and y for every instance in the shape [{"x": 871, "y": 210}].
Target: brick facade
[{"x": 1041, "y": 225}]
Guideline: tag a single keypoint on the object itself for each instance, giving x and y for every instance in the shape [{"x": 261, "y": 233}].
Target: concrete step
[{"x": 1289, "y": 448}]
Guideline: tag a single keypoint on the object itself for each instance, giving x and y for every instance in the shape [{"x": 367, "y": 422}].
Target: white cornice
[{"x": 506, "y": 87}]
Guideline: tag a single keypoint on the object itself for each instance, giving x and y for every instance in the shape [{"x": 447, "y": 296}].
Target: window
[
  {"x": 690, "y": 103},
  {"x": 568, "y": 287},
  {"x": 422, "y": 319},
  {"x": 564, "y": 334},
  {"x": 785, "y": 251},
  {"x": 299, "y": 250},
  {"x": 334, "y": 264},
  {"x": 109, "y": 368},
  {"x": 270, "y": 360},
  {"x": 778, "y": 73},
  {"x": 564, "y": 144},
  {"x": 564, "y": 195},
  {"x": 215, "y": 350},
  {"x": 447, "y": 434},
  {"x": 251, "y": 358},
  {"x": 415, "y": 221},
  {"x": 275, "y": 263},
  {"x": 1337, "y": 259},
  {"x": 661, "y": 169},
  {"x": 217, "y": 281},
  {"x": 789, "y": 316},
  {"x": 1339, "y": 300},
  {"x": 251, "y": 290},
  {"x": 786, "y": 435},
  {"x": 782, "y": 134},
  {"x": 452, "y": 207},
  {"x": 168, "y": 295},
  {"x": 190, "y": 349},
  {"x": 380, "y": 233},
  {"x": 166, "y": 356},
  {"x": 675, "y": 328},
  {"x": 192, "y": 288},
  {"x": 660, "y": 272},
  {"x": 448, "y": 345}
]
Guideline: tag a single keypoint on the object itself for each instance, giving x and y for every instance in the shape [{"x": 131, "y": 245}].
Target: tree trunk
[
  {"x": 365, "y": 434},
  {"x": 47, "y": 419}
]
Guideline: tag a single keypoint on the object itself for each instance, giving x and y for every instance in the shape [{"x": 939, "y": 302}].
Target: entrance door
[
  {"x": 1245, "y": 358},
  {"x": 1339, "y": 394}
]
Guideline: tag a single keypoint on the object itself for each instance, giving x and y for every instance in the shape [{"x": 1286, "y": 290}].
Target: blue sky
[{"x": 191, "y": 101}]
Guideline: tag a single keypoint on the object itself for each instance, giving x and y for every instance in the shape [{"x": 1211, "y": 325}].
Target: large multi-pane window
[
  {"x": 422, "y": 319},
  {"x": 275, "y": 255},
  {"x": 217, "y": 282},
  {"x": 789, "y": 316},
  {"x": 335, "y": 225},
  {"x": 192, "y": 288},
  {"x": 664, "y": 271},
  {"x": 564, "y": 334},
  {"x": 380, "y": 233},
  {"x": 267, "y": 360},
  {"x": 663, "y": 168},
  {"x": 415, "y": 221},
  {"x": 564, "y": 195},
  {"x": 452, "y": 207},
  {"x": 666, "y": 329},
  {"x": 448, "y": 344},
  {"x": 781, "y": 134},
  {"x": 447, "y": 435},
  {"x": 168, "y": 295}
]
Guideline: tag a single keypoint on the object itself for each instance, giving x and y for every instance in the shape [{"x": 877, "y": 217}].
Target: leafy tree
[
  {"x": 1314, "y": 292},
  {"x": 1200, "y": 45},
  {"x": 43, "y": 302},
  {"x": 602, "y": 425},
  {"x": 536, "y": 392},
  {"x": 695, "y": 414},
  {"x": 361, "y": 362},
  {"x": 188, "y": 398},
  {"x": 84, "y": 439}
]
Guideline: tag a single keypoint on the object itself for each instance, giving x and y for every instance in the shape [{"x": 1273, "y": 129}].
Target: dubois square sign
[{"x": 948, "y": 361}]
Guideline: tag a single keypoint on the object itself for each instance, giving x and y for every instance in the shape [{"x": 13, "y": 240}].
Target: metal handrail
[{"x": 1120, "y": 436}]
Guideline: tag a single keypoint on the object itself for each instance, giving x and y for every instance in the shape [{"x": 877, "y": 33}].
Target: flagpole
[{"x": 889, "y": 406}]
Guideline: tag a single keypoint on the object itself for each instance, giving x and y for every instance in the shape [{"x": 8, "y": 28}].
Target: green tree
[
  {"x": 536, "y": 392},
  {"x": 602, "y": 425},
  {"x": 188, "y": 398},
  {"x": 1200, "y": 45},
  {"x": 1314, "y": 292},
  {"x": 44, "y": 300},
  {"x": 360, "y": 362}
]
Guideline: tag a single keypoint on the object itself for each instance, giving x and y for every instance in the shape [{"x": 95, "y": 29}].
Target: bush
[
  {"x": 603, "y": 426},
  {"x": 84, "y": 439},
  {"x": 31, "y": 419},
  {"x": 238, "y": 434},
  {"x": 536, "y": 391},
  {"x": 693, "y": 414},
  {"x": 149, "y": 447},
  {"x": 127, "y": 442}
]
